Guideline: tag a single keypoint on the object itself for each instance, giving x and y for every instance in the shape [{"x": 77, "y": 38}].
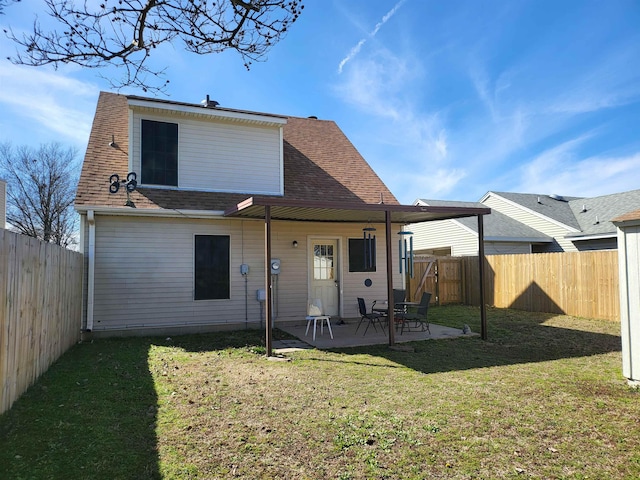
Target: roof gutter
[
  {"x": 594, "y": 236},
  {"x": 519, "y": 239},
  {"x": 149, "y": 212}
]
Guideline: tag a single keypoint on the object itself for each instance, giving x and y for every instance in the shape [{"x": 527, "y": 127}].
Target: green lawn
[{"x": 543, "y": 398}]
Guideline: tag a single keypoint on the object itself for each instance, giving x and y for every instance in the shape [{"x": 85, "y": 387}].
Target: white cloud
[
  {"x": 356, "y": 49},
  {"x": 560, "y": 170},
  {"x": 429, "y": 183},
  {"x": 53, "y": 101}
]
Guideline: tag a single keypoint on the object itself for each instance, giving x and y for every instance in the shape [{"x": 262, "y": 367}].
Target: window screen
[
  {"x": 159, "y": 153},
  {"x": 362, "y": 259},
  {"x": 212, "y": 269}
]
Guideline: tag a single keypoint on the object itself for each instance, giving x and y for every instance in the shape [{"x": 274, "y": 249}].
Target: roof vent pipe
[
  {"x": 584, "y": 208},
  {"x": 539, "y": 201},
  {"x": 597, "y": 221},
  {"x": 208, "y": 103}
]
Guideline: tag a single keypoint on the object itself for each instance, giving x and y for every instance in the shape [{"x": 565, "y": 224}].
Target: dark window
[
  {"x": 212, "y": 267},
  {"x": 362, "y": 255},
  {"x": 159, "y": 154}
]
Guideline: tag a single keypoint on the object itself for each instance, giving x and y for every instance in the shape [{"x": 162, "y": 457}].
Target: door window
[{"x": 323, "y": 262}]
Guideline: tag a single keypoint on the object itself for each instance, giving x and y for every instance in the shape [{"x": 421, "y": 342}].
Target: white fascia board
[
  {"x": 518, "y": 239},
  {"x": 248, "y": 193},
  {"x": 595, "y": 236},
  {"x": 156, "y": 212},
  {"x": 532, "y": 212},
  {"x": 210, "y": 112}
]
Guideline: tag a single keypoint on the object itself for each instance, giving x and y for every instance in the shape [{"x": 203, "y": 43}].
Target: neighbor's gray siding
[
  {"x": 597, "y": 244},
  {"x": 219, "y": 156},
  {"x": 534, "y": 221},
  {"x": 506, "y": 248}
]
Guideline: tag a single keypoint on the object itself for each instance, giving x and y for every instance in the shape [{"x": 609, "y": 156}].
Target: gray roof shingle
[
  {"x": 595, "y": 218},
  {"x": 320, "y": 163},
  {"x": 497, "y": 226},
  {"x": 554, "y": 208}
]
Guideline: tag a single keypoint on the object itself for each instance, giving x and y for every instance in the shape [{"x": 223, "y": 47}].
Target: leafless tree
[
  {"x": 4, "y": 3},
  {"x": 124, "y": 33},
  {"x": 40, "y": 191}
]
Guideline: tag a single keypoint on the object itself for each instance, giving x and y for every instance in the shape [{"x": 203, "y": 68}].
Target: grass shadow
[
  {"x": 514, "y": 337},
  {"x": 93, "y": 414}
]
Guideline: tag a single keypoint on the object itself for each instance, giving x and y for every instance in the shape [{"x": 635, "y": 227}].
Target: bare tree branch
[
  {"x": 5, "y": 3},
  {"x": 125, "y": 32},
  {"x": 40, "y": 191}
]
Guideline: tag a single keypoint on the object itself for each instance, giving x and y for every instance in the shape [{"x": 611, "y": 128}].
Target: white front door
[{"x": 324, "y": 268}]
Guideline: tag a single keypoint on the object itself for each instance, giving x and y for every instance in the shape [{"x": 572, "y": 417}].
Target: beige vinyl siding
[
  {"x": 534, "y": 221},
  {"x": 442, "y": 234},
  {"x": 219, "y": 156},
  {"x": 144, "y": 272}
]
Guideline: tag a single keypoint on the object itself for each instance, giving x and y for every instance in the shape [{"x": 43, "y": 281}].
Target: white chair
[{"x": 315, "y": 314}]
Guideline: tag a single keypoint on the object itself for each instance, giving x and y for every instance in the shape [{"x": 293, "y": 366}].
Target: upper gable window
[{"x": 159, "y": 153}]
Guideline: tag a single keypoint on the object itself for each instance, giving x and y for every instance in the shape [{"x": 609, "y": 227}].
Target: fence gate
[{"x": 442, "y": 276}]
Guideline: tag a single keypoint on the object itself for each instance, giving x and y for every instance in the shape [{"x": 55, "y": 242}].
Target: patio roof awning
[
  {"x": 278, "y": 208},
  {"x": 307, "y": 211}
]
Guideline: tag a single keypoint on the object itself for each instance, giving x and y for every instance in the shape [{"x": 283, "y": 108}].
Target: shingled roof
[
  {"x": 320, "y": 163},
  {"x": 497, "y": 226}
]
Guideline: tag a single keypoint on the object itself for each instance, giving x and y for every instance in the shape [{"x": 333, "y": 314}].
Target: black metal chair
[
  {"x": 371, "y": 317},
  {"x": 419, "y": 316}
]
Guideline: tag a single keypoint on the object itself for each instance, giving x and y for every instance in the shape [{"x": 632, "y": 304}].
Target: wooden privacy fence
[
  {"x": 40, "y": 309},
  {"x": 583, "y": 284}
]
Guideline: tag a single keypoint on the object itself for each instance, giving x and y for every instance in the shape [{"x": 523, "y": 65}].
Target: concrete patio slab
[{"x": 345, "y": 335}]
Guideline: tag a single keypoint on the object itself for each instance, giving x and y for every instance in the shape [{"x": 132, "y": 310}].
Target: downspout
[{"x": 91, "y": 253}]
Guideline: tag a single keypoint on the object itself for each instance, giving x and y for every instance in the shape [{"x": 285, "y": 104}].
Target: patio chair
[
  {"x": 419, "y": 317},
  {"x": 371, "y": 317},
  {"x": 315, "y": 313},
  {"x": 399, "y": 297}
]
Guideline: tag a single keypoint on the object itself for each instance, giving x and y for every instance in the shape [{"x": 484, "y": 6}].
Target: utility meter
[{"x": 275, "y": 266}]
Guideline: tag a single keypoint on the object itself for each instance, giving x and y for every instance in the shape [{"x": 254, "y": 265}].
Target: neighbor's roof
[
  {"x": 320, "y": 163},
  {"x": 557, "y": 209},
  {"x": 598, "y": 212},
  {"x": 496, "y": 226}
]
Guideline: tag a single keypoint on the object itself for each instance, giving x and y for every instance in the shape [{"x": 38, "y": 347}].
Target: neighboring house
[
  {"x": 528, "y": 223},
  {"x": 218, "y": 192},
  {"x": 459, "y": 236}
]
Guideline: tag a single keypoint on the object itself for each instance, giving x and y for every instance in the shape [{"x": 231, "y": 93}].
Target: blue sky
[{"x": 445, "y": 99}]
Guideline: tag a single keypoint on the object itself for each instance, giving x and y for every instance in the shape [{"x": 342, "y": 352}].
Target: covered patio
[
  {"x": 345, "y": 335},
  {"x": 277, "y": 208}
]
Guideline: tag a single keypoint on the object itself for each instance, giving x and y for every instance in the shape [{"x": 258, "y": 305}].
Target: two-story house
[{"x": 219, "y": 191}]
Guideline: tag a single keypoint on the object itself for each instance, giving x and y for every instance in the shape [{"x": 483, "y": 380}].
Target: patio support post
[
  {"x": 390, "y": 306},
  {"x": 267, "y": 278},
  {"x": 483, "y": 307}
]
